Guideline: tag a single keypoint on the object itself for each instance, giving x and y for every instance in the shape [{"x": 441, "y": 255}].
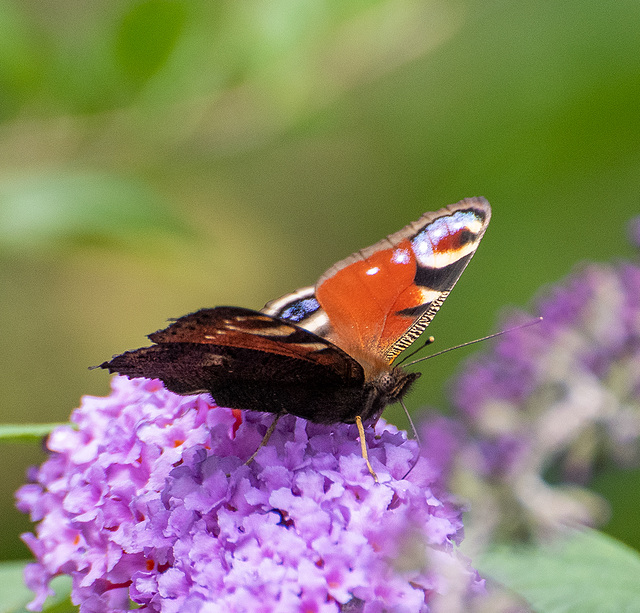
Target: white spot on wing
[
  {"x": 401, "y": 256},
  {"x": 429, "y": 295},
  {"x": 373, "y": 271}
]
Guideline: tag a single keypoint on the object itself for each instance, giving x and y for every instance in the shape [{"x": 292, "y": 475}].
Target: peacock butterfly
[{"x": 323, "y": 352}]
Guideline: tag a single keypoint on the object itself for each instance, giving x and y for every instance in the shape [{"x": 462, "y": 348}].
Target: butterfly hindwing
[
  {"x": 239, "y": 327},
  {"x": 246, "y": 360}
]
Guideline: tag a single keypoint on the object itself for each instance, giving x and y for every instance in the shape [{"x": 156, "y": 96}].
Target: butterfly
[{"x": 324, "y": 352}]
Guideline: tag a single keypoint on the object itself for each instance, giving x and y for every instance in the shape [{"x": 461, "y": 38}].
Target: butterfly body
[{"x": 323, "y": 352}]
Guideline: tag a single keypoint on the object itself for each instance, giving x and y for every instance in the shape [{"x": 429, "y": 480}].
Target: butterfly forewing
[{"x": 376, "y": 302}]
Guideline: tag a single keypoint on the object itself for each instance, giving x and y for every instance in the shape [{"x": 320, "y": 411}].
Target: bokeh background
[{"x": 159, "y": 156}]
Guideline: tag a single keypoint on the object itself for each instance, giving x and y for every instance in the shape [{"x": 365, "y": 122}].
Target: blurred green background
[{"x": 165, "y": 155}]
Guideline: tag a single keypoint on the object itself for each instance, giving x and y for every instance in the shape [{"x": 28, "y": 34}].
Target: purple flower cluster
[
  {"x": 147, "y": 499},
  {"x": 565, "y": 393}
]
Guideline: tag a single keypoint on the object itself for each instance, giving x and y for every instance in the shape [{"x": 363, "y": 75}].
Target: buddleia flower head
[
  {"x": 563, "y": 394},
  {"x": 146, "y": 498}
]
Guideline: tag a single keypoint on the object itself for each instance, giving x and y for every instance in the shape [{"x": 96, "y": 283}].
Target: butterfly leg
[
  {"x": 363, "y": 447},
  {"x": 266, "y": 437}
]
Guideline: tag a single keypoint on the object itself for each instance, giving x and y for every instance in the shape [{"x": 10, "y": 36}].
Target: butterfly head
[
  {"x": 387, "y": 388},
  {"x": 398, "y": 383}
]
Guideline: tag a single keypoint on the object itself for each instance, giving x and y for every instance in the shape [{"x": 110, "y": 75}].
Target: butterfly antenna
[
  {"x": 429, "y": 340},
  {"x": 477, "y": 340}
]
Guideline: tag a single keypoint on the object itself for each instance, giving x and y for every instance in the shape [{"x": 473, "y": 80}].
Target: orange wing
[{"x": 376, "y": 302}]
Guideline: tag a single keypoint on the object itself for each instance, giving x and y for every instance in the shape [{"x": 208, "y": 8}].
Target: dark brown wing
[
  {"x": 239, "y": 327},
  {"x": 245, "y": 359}
]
